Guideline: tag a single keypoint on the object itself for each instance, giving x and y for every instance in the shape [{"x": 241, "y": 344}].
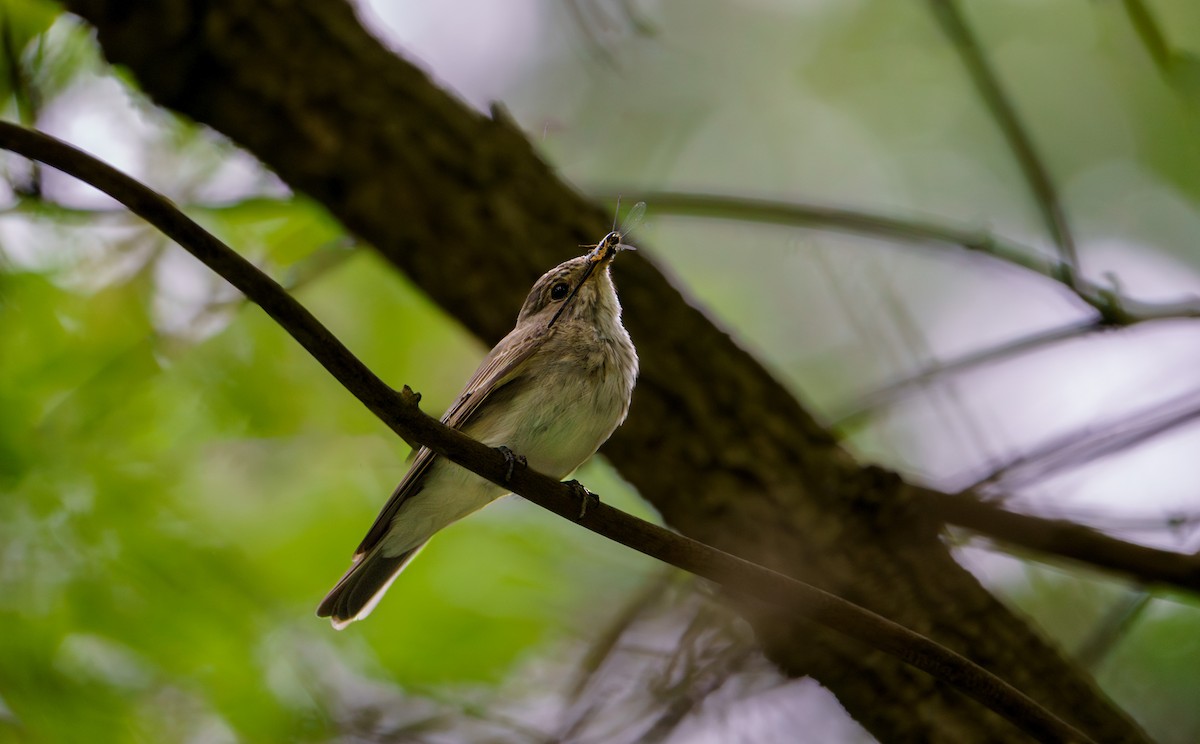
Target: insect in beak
[{"x": 604, "y": 252}]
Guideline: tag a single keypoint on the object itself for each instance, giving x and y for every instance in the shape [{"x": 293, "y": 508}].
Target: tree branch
[
  {"x": 401, "y": 413},
  {"x": 854, "y": 221},
  {"x": 888, "y": 394},
  {"x": 1114, "y": 310},
  {"x": 1151, "y": 36},
  {"x": 988, "y": 84},
  {"x": 1094, "y": 441},
  {"x": 1063, "y": 538}
]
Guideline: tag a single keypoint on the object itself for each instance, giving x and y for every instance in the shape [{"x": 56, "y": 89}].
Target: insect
[
  {"x": 608, "y": 247},
  {"x": 611, "y": 243}
]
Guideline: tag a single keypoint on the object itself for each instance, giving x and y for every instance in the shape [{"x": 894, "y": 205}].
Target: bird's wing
[{"x": 502, "y": 364}]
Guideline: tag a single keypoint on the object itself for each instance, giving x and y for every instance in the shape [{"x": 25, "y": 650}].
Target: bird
[{"x": 548, "y": 394}]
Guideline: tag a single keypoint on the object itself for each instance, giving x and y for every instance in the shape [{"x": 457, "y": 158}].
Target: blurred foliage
[
  {"x": 172, "y": 513},
  {"x": 1147, "y": 662},
  {"x": 179, "y": 483}
]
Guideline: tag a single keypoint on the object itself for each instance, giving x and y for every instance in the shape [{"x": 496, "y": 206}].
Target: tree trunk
[{"x": 461, "y": 203}]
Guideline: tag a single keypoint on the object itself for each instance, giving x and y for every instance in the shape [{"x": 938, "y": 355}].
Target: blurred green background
[{"x": 180, "y": 484}]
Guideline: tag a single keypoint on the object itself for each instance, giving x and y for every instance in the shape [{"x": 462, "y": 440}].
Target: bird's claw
[
  {"x": 511, "y": 460},
  {"x": 586, "y": 497}
]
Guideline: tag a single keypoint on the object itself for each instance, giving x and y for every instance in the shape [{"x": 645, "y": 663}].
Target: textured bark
[{"x": 461, "y": 204}]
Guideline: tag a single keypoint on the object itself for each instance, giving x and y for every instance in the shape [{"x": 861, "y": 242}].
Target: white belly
[
  {"x": 558, "y": 425},
  {"x": 555, "y": 426}
]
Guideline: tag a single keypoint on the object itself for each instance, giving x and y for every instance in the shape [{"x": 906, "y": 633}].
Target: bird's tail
[{"x": 363, "y": 586}]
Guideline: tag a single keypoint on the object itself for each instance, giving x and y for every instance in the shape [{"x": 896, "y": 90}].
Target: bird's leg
[
  {"x": 511, "y": 461},
  {"x": 586, "y": 497}
]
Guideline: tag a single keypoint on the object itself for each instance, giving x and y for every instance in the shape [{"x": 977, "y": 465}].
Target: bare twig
[
  {"x": 1116, "y": 623},
  {"x": 987, "y": 83},
  {"x": 400, "y": 411},
  {"x": 589, "y": 31},
  {"x": 696, "y": 686},
  {"x": 915, "y": 340},
  {"x": 1114, "y": 310},
  {"x": 1094, "y": 441},
  {"x": 1112, "y": 628},
  {"x": 858, "y": 222},
  {"x": 867, "y": 404},
  {"x": 1174, "y": 67},
  {"x": 1053, "y": 537},
  {"x": 602, "y": 647},
  {"x": 640, "y": 24},
  {"x": 1150, "y": 34},
  {"x": 1066, "y": 539}
]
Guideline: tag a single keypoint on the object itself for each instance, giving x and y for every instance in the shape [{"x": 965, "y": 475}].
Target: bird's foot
[
  {"x": 511, "y": 461},
  {"x": 586, "y": 497}
]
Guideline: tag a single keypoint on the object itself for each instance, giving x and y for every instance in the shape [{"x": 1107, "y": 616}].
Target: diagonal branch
[
  {"x": 1151, "y": 36},
  {"x": 400, "y": 411},
  {"x": 1057, "y": 537},
  {"x": 854, "y": 221},
  {"x": 1051, "y": 537},
  {"x": 1096, "y": 440},
  {"x": 883, "y": 396},
  {"x": 988, "y": 85},
  {"x": 1114, "y": 310},
  {"x": 1118, "y": 620}
]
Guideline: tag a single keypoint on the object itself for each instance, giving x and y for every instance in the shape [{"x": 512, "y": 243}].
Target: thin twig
[
  {"x": 855, "y": 221},
  {"x": 589, "y": 30},
  {"x": 1096, "y": 440},
  {"x": 1112, "y": 628},
  {"x": 697, "y": 686},
  {"x": 604, "y": 644},
  {"x": 400, "y": 411},
  {"x": 1114, "y": 310},
  {"x": 987, "y": 83},
  {"x": 1150, "y": 34},
  {"x": 1116, "y": 623},
  {"x": 1149, "y": 566},
  {"x": 1173, "y": 67},
  {"x": 867, "y": 404},
  {"x": 915, "y": 340},
  {"x": 1053, "y": 537}
]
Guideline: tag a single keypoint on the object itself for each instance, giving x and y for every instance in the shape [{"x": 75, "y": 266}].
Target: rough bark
[{"x": 461, "y": 203}]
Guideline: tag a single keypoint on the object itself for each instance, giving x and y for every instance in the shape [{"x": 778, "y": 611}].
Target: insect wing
[{"x": 632, "y": 220}]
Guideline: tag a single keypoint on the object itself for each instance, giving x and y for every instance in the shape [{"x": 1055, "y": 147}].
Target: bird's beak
[{"x": 601, "y": 255}]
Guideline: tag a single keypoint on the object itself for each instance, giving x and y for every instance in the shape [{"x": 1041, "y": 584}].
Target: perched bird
[{"x": 551, "y": 392}]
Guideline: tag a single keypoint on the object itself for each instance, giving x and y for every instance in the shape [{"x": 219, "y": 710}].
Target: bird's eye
[{"x": 559, "y": 291}]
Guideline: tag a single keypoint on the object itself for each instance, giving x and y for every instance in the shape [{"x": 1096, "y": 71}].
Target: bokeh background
[{"x": 180, "y": 484}]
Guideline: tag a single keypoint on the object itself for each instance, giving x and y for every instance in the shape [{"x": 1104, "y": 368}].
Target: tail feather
[{"x": 363, "y": 586}]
